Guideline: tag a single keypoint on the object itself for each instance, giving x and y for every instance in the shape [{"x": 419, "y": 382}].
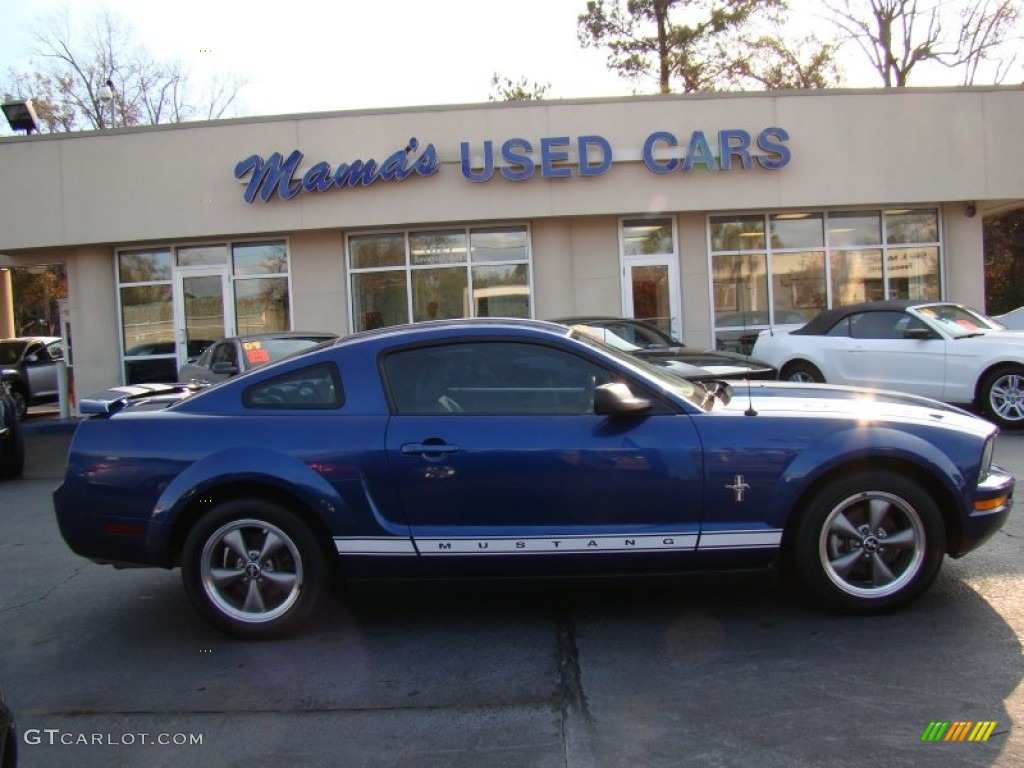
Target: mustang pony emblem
[{"x": 738, "y": 487}]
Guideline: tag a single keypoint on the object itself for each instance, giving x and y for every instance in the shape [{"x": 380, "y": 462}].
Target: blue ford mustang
[{"x": 508, "y": 447}]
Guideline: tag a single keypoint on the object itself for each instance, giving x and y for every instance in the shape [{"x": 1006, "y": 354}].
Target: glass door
[
  {"x": 202, "y": 309},
  {"x": 650, "y": 292}
]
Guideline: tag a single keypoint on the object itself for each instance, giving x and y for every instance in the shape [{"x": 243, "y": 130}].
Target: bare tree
[
  {"x": 899, "y": 35},
  {"x": 102, "y": 79}
]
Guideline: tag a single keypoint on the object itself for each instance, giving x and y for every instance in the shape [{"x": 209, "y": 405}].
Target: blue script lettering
[{"x": 277, "y": 174}]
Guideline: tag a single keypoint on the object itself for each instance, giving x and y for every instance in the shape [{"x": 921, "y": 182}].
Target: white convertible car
[{"x": 937, "y": 349}]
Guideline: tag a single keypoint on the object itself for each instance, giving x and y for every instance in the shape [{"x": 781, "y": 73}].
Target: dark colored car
[
  {"x": 29, "y": 366},
  {"x": 470, "y": 447},
  {"x": 651, "y": 343},
  {"x": 238, "y": 354},
  {"x": 12, "y": 440}
]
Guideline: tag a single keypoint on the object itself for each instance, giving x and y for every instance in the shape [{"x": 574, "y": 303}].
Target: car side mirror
[
  {"x": 918, "y": 334},
  {"x": 225, "y": 369},
  {"x": 616, "y": 399}
]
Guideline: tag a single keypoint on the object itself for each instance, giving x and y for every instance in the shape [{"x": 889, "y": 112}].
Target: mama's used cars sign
[{"x": 518, "y": 159}]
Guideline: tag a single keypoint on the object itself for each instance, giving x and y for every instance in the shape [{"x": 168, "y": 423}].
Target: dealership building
[{"x": 712, "y": 215}]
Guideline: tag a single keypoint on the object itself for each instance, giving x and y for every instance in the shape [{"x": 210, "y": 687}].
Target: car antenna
[{"x": 750, "y": 400}]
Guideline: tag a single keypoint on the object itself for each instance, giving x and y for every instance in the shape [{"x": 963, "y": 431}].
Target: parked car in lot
[
  {"x": 29, "y": 366},
  {"x": 467, "y": 447},
  {"x": 936, "y": 349},
  {"x": 1012, "y": 320},
  {"x": 12, "y": 440},
  {"x": 237, "y": 354},
  {"x": 651, "y": 343},
  {"x": 737, "y": 331}
]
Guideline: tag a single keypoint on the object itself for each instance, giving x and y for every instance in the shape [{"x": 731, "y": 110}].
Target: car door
[
  {"x": 880, "y": 354},
  {"x": 41, "y": 371},
  {"x": 495, "y": 449}
]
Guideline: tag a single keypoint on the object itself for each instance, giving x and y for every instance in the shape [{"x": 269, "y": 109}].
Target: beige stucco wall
[{"x": 83, "y": 195}]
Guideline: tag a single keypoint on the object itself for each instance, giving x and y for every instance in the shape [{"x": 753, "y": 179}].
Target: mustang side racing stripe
[{"x": 548, "y": 545}]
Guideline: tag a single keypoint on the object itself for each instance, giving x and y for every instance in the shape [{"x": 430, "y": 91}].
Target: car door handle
[{"x": 413, "y": 449}]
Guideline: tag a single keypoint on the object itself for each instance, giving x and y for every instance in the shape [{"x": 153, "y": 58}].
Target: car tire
[
  {"x": 844, "y": 551},
  {"x": 802, "y": 372},
  {"x": 20, "y": 403},
  {"x": 13, "y": 463},
  {"x": 253, "y": 569},
  {"x": 1001, "y": 396}
]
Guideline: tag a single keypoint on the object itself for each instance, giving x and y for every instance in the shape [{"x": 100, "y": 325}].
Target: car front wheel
[
  {"x": 802, "y": 372},
  {"x": 869, "y": 542},
  {"x": 1002, "y": 396},
  {"x": 253, "y": 569}
]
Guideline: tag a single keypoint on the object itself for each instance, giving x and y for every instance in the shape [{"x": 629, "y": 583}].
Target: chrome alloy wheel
[
  {"x": 872, "y": 545},
  {"x": 251, "y": 571},
  {"x": 1006, "y": 397}
]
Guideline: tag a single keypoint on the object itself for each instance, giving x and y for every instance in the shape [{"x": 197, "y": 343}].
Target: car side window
[
  {"x": 55, "y": 350},
  {"x": 491, "y": 377},
  {"x": 877, "y": 325},
  {"x": 840, "y": 329},
  {"x": 318, "y": 387}
]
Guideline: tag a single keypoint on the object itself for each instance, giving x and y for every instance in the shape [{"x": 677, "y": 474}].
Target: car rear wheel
[
  {"x": 253, "y": 569},
  {"x": 802, "y": 372},
  {"x": 869, "y": 542},
  {"x": 1002, "y": 396}
]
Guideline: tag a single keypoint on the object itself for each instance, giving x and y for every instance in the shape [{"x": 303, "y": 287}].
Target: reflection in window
[
  {"x": 315, "y": 388},
  {"x": 379, "y": 299},
  {"x": 797, "y": 230},
  {"x": 262, "y": 305},
  {"x": 144, "y": 266},
  {"x": 913, "y": 273},
  {"x": 203, "y": 256},
  {"x": 147, "y": 320},
  {"x": 737, "y": 233},
  {"x": 856, "y": 277},
  {"x": 741, "y": 285},
  {"x": 447, "y": 273},
  {"x": 375, "y": 251},
  {"x": 259, "y": 258},
  {"x": 438, "y": 294},
  {"x": 914, "y": 226},
  {"x": 643, "y": 237},
  {"x": 858, "y": 228},
  {"x": 799, "y": 287},
  {"x": 498, "y": 244},
  {"x": 501, "y": 291}
]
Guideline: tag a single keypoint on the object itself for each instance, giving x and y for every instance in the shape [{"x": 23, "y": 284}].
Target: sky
[
  {"x": 300, "y": 56},
  {"x": 319, "y": 55}
]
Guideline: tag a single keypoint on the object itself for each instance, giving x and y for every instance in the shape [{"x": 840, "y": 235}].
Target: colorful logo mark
[{"x": 959, "y": 730}]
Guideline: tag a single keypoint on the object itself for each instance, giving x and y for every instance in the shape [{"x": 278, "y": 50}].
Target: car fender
[
  {"x": 850, "y": 445},
  {"x": 263, "y": 467}
]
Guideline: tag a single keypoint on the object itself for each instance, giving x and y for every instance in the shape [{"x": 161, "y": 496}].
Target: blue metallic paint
[{"x": 345, "y": 467}]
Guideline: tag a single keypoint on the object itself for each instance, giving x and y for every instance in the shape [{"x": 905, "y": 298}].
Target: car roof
[
  {"x": 455, "y": 325},
  {"x": 824, "y": 320},
  {"x": 44, "y": 339}
]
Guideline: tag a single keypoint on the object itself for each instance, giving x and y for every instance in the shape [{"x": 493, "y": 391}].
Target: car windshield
[
  {"x": 957, "y": 321},
  {"x": 691, "y": 391},
  {"x": 11, "y": 351}
]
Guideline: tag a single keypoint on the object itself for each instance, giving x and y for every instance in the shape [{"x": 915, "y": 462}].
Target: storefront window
[
  {"x": 259, "y": 258},
  {"x": 817, "y": 260},
  {"x": 425, "y": 275},
  {"x": 202, "y": 256},
  {"x": 642, "y": 237},
  {"x": 262, "y": 305},
  {"x": 149, "y": 279},
  {"x": 856, "y": 276}
]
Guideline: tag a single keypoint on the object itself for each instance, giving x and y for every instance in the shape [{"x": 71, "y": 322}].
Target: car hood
[{"x": 793, "y": 399}]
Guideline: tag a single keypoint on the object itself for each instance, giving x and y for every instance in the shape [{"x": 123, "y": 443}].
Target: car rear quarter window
[{"x": 317, "y": 387}]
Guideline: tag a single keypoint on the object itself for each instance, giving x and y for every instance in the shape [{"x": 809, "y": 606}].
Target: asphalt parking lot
[{"x": 114, "y": 668}]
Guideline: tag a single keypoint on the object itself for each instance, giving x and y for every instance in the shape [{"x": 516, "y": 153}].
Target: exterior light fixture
[{"x": 21, "y": 116}]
